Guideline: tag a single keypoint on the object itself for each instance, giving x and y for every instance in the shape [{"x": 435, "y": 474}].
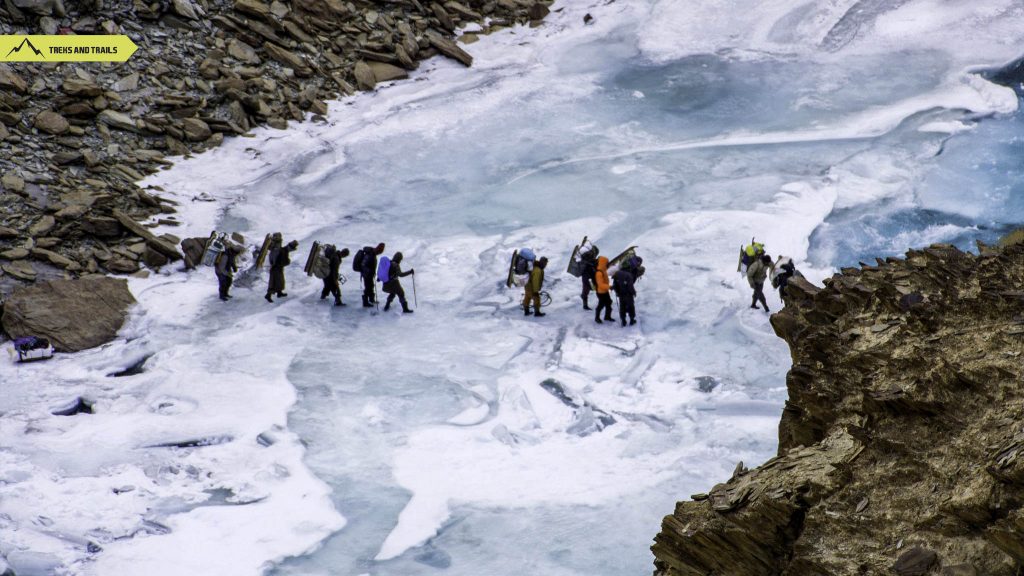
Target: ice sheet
[{"x": 372, "y": 443}]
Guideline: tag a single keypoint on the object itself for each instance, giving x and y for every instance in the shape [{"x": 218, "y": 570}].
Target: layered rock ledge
[
  {"x": 75, "y": 137},
  {"x": 901, "y": 447}
]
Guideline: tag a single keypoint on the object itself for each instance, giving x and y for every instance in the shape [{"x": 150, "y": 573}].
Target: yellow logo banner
[{"x": 65, "y": 48}]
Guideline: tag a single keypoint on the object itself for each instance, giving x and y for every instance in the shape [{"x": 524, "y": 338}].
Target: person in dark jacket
[
  {"x": 756, "y": 273},
  {"x": 280, "y": 256},
  {"x": 781, "y": 272},
  {"x": 393, "y": 286},
  {"x": 368, "y": 272},
  {"x": 331, "y": 285},
  {"x": 533, "y": 287},
  {"x": 225, "y": 267},
  {"x": 623, "y": 285},
  {"x": 588, "y": 265}
]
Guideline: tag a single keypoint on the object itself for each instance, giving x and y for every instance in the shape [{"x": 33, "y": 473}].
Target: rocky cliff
[
  {"x": 75, "y": 137},
  {"x": 901, "y": 447}
]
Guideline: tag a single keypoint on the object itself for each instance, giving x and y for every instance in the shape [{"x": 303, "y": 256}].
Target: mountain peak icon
[{"x": 22, "y": 45}]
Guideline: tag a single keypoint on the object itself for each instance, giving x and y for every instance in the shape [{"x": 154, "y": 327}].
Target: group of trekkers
[
  {"x": 586, "y": 262},
  {"x": 757, "y": 265},
  {"x": 592, "y": 270},
  {"x": 366, "y": 263}
]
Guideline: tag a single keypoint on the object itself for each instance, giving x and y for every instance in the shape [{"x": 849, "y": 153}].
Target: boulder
[
  {"x": 915, "y": 562},
  {"x": 382, "y": 72},
  {"x": 20, "y": 269},
  {"x": 102, "y": 227},
  {"x": 56, "y": 259},
  {"x": 185, "y": 8},
  {"x": 193, "y": 249},
  {"x": 152, "y": 258},
  {"x": 539, "y": 11},
  {"x": 118, "y": 120},
  {"x": 50, "y": 122},
  {"x": 159, "y": 244},
  {"x": 10, "y": 80},
  {"x": 81, "y": 88},
  {"x": 449, "y": 49},
  {"x": 195, "y": 129},
  {"x": 121, "y": 265},
  {"x": 72, "y": 314},
  {"x": 243, "y": 53},
  {"x": 14, "y": 254},
  {"x": 128, "y": 83},
  {"x": 41, "y": 7},
  {"x": 365, "y": 78},
  {"x": 253, "y": 8},
  {"x": 13, "y": 183},
  {"x": 41, "y": 227}
]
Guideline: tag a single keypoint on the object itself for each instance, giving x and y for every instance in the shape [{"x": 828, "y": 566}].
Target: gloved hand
[{"x": 412, "y": 271}]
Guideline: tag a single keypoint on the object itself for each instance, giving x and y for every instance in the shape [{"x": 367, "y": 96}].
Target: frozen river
[{"x": 467, "y": 439}]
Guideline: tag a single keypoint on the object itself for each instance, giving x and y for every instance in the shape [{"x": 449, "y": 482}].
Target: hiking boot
[
  {"x": 406, "y": 311},
  {"x": 538, "y": 314},
  {"x": 608, "y": 318},
  {"x": 632, "y": 321},
  {"x": 281, "y": 294},
  {"x": 754, "y": 306},
  {"x": 766, "y": 310},
  {"x": 269, "y": 299},
  {"x": 387, "y": 306},
  {"x": 598, "y": 320},
  {"x": 526, "y": 310},
  {"x": 224, "y": 298},
  {"x": 623, "y": 321},
  {"x": 339, "y": 303}
]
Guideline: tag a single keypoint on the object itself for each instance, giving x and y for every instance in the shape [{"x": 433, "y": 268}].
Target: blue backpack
[{"x": 383, "y": 269}]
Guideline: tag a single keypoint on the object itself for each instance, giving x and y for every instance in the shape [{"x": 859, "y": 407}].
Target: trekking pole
[
  {"x": 376, "y": 303},
  {"x": 414, "y": 300}
]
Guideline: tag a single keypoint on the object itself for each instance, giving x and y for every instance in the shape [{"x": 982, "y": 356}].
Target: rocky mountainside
[
  {"x": 74, "y": 138},
  {"x": 901, "y": 447}
]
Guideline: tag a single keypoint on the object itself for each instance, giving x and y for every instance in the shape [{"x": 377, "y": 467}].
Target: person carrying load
[
  {"x": 782, "y": 270},
  {"x": 332, "y": 286},
  {"x": 533, "y": 287},
  {"x": 748, "y": 254}
]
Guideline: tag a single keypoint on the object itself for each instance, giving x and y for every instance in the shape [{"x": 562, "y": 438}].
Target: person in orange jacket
[{"x": 603, "y": 289}]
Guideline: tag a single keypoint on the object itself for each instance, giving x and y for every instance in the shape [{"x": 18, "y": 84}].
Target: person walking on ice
[
  {"x": 331, "y": 285},
  {"x": 365, "y": 262},
  {"x": 534, "y": 286},
  {"x": 393, "y": 286},
  {"x": 625, "y": 289},
  {"x": 603, "y": 289},
  {"x": 279, "y": 258},
  {"x": 225, "y": 267},
  {"x": 757, "y": 271}
]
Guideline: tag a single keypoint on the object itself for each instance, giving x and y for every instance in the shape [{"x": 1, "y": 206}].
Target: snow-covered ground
[{"x": 466, "y": 438}]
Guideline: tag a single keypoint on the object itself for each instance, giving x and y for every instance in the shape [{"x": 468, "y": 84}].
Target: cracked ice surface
[{"x": 466, "y": 438}]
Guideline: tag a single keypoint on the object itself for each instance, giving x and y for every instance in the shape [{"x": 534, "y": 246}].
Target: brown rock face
[
  {"x": 73, "y": 314},
  {"x": 900, "y": 447}
]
